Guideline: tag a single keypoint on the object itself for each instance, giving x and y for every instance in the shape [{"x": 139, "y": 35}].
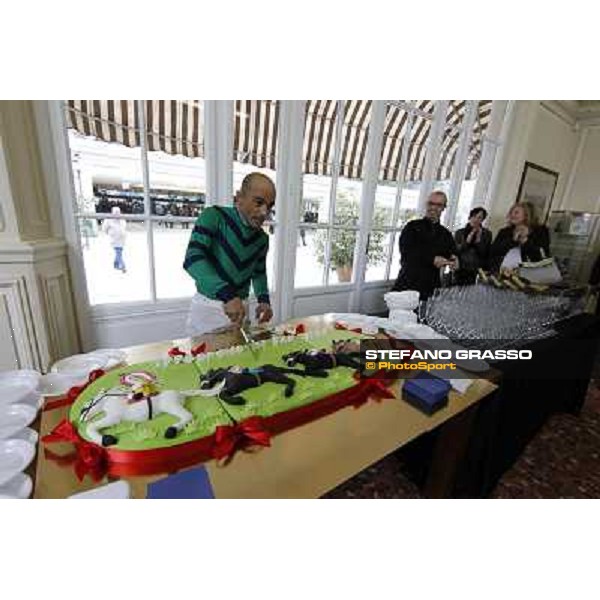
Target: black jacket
[
  {"x": 473, "y": 255},
  {"x": 531, "y": 250},
  {"x": 421, "y": 241}
]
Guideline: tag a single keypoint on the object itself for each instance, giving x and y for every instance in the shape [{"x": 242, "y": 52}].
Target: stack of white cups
[{"x": 401, "y": 306}]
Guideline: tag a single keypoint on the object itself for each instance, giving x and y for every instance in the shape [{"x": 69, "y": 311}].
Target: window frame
[{"x": 218, "y": 156}]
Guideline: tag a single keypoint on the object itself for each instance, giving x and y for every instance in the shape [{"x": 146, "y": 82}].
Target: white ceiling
[{"x": 582, "y": 111}]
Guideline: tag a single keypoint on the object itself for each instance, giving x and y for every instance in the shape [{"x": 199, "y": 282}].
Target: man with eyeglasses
[
  {"x": 426, "y": 246},
  {"x": 226, "y": 253}
]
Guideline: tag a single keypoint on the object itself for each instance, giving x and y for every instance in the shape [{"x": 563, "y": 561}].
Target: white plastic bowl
[
  {"x": 15, "y": 456},
  {"x": 27, "y": 435},
  {"x": 14, "y": 418},
  {"x": 20, "y": 376},
  {"x": 57, "y": 384},
  {"x": 23, "y": 392},
  {"x": 79, "y": 364},
  {"x": 19, "y": 487},
  {"x": 108, "y": 357}
]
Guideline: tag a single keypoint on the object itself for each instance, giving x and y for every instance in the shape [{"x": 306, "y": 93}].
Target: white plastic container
[
  {"x": 399, "y": 316},
  {"x": 405, "y": 300}
]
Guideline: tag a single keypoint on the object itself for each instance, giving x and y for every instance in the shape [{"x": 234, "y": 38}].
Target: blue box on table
[{"x": 426, "y": 392}]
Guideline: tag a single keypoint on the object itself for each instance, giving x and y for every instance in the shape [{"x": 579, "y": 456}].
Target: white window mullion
[
  {"x": 289, "y": 197},
  {"x": 489, "y": 149},
  {"x": 367, "y": 200},
  {"x": 335, "y": 171},
  {"x": 434, "y": 147},
  {"x": 460, "y": 163},
  {"x": 218, "y": 144},
  {"x": 400, "y": 184},
  {"x": 403, "y": 164},
  {"x": 147, "y": 201},
  {"x": 490, "y": 192},
  {"x": 390, "y": 255}
]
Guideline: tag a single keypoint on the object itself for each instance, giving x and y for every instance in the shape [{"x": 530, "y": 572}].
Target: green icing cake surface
[{"x": 265, "y": 400}]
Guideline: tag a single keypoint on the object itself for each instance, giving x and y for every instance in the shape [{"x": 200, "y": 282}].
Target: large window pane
[
  {"x": 385, "y": 200},
  {"x": 115, "y": 255},
  {"x": 377, "y": 255},
  {"x": 105, "y": 146},
  {"x": 395, "y": 265},
  {"x": 347, "y": 205},
  {"x": 467, "y": 197},
  {"x": 341, "y": 265},
  {"x": 104, "y": 142},
  {"x": 465, "y": 200},
  {"x": 170, "y": 244},
  {"x": 310, "y": 257},
  {"x": 269, "y": 229},
  {"x": 176, "y": 165},
  {"x": 316, "y": 193},
  {"x": 409, "y": 203}
]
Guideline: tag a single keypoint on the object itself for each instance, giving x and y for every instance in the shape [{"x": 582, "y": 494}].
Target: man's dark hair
[{"x": 478, "y": 209}]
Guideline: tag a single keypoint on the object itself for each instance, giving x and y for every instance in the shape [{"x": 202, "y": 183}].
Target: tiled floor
[{"x": 562, "y": 461}]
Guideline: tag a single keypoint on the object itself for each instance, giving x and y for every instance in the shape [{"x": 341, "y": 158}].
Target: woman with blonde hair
[{"x": 524, "y": 232}]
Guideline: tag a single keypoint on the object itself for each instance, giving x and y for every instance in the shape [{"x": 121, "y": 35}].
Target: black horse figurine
[
  {"x": 239, "y": 379},
  {"x": 318, "y": 361}
]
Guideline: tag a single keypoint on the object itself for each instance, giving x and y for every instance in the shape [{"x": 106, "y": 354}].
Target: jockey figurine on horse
[
  {"x": 229, "y": 382},
  {"x": 318, "y": 361},
  {"x": 143, "y": 402}
]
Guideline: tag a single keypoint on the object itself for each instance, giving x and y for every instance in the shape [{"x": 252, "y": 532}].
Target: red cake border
[{"x": 89, "y": 458}]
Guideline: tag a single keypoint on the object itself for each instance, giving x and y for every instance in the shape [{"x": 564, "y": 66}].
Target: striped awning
[
  {"x": 176, "y": 127},
  {"x": 172, "y": 126},
  {"x": 454, "y": 118},
  {"x": 256, "y": 128},
  {"x": 394, "y": 135},
  {"x": 320, "y": 137}
]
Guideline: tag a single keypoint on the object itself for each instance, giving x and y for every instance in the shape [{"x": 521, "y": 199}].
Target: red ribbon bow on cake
[
  {"x": 231, "y": 438},
  {"x": 343, "y": 327},
  {"x": 200, "y": 349},
  {"x": 87, "y": 458},
  {"x": 371, "y": 387},
  {"x": 175, "y": 352}
]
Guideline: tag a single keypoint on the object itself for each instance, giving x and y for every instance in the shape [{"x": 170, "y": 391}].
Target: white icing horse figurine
[{"x": 143, "y": 403}]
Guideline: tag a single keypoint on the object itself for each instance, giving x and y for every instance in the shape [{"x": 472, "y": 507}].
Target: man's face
[
  {"x": 435, "y": 207},
  {"x": 257, "y": 203}
]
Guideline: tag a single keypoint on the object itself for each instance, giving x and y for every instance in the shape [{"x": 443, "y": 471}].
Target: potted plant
[{"x": 343, "y": 241}]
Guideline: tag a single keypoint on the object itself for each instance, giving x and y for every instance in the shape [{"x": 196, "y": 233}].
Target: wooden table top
[{"x": 304, "y": 462}]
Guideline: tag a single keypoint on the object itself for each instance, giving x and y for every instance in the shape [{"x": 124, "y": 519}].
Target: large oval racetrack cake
[{"x": 163, "y": 415}]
